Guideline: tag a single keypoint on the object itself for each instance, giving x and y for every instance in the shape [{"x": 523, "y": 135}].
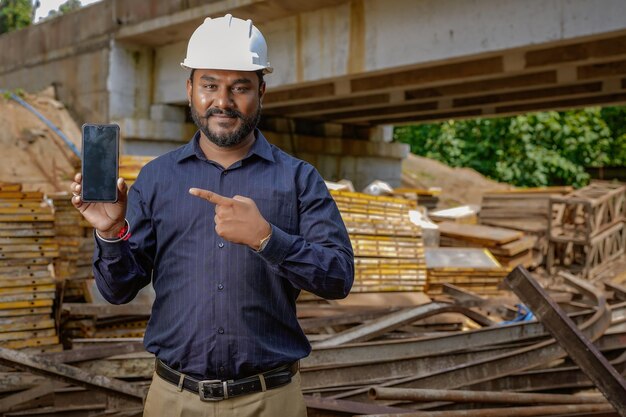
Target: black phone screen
[{"x": 100, "y": 162}]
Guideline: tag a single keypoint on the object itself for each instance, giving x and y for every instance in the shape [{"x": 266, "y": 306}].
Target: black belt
[{"x": 216, "y": 390}]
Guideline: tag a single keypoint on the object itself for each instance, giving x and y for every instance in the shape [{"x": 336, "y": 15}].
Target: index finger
[{"x": 210, "y": 196}]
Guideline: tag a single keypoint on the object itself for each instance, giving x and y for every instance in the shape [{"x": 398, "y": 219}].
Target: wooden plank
[
  {"x": 26, "y": 304},
  {"x": 31, "y": 342},
  {"x": 6, "y": 326},
  {"x": 490, "y": 236},
  {"x": 102, "y": 310},
  {"x": 15, "y": 312},
  {"x": 48, "y": 295},
  {"x": 26, "y": 218},
  {"x": 30, "y": 195},
  {"x": 28, "y": 241},
  {"x": 29, "y": 248},
  {"x": 30, "y": 289},
  {"x": 30, "y": 255},
  {"x": 20, "y": 335},
  {"x": 26, "y": 282},
  {"x": 24, "y": 210}
]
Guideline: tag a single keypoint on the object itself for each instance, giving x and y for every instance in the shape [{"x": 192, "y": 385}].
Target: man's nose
[{"x": 223, "y": 98}]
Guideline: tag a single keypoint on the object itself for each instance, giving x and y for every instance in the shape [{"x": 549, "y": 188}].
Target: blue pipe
[{"x": 46, "y": 121}]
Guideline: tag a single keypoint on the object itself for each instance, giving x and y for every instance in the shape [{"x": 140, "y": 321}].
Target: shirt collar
[{"x": 261, "y": 148}]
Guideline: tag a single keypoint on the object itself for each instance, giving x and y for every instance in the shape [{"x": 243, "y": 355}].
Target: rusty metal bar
[
  {"x": 69, "y": 374},
  {"x": 619, "y": 291},
  {"x": 368, "y": 374},
  {"x": 543, "y": 410},
  {"x": 361, "y": 353},
  {"x": 579, "y": 348},
  {"x": 464, "y": 396},
  {"x": 352, "y": 407},
  {"x": 369, "y": 330},
  {"x": 93, "y": 352},
  {"x": 545, "y": 379}
]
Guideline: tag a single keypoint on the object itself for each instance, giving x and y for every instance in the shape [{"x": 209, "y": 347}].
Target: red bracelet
[{"x": 124, "y": 234}]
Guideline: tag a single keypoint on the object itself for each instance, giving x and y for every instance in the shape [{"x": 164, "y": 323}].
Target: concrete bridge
[{"x": 343, "y": 69}]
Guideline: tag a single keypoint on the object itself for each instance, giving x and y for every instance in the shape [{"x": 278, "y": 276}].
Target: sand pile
[
  {"x": 32, "y": 154},
  {"x": 459, "y": 185}
]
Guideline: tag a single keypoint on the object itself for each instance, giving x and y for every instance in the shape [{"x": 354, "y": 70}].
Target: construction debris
[{"x": 426, "y": 331}]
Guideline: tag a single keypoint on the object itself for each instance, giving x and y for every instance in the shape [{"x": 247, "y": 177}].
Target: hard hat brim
[{"x": 251, "y": 68}]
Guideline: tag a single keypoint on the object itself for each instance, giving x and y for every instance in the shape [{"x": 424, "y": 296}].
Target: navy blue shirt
[{"x": 222, "y": 310}]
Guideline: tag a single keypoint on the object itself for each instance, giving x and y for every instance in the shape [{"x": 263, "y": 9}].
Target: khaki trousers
[{"x": 165, "y": 400}]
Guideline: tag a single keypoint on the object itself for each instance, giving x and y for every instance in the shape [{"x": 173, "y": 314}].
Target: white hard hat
[{"x": 227, "y": 43}]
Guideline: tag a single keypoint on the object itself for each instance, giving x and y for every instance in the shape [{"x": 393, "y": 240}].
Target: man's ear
[
  {"x": 189, "y": 90},
  {"x": 261, "y": 92}
]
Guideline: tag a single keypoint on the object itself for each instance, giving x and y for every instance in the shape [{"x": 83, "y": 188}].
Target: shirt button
[
  {"x": 220, "y": 330},
  {"x": 220, "y": 245},
  {"x": 220, "y": 287},
  {"x": 222, "y": 369},
  {"x": 225, "y": 173}
]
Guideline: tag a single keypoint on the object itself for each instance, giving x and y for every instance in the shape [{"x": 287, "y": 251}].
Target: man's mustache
[{"x": 226, "y": 112}]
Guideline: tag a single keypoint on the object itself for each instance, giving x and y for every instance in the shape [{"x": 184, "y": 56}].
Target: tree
[
  {"x": 68, "y": 6},
  {"x": 14, "y": 14},
  {"x": 547, "y": 148}
]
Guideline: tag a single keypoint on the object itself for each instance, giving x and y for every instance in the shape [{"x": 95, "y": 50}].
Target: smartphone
[{"x": 100, "y": 162}]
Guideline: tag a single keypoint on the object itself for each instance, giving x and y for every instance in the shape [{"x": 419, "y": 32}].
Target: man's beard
[{"x": 227, "y": 140}]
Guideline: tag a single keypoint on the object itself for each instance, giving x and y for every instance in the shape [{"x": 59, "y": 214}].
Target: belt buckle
[{"x": 206, "y": 388}]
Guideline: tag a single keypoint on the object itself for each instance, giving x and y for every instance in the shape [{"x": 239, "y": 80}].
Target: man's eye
[
  {"x": 209, "y": 86},
  {"x": 240, "y": 89}
]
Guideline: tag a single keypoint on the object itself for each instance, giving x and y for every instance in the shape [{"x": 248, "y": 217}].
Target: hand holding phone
[
  {"x": 98, "y": 193},
  {"x": 106, "y": 218}
]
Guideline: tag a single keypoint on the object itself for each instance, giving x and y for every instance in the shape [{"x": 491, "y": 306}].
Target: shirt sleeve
[
  {"x": 320, "y": 259},
  {"x": 123, "y": 268}
]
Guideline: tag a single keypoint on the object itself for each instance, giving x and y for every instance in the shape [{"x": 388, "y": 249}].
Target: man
[{"x": 229, "y": 229}]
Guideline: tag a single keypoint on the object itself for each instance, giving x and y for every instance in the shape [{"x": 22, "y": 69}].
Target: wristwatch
[{"x": 264, "y": 241}]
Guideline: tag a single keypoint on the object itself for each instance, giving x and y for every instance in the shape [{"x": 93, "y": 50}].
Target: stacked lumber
[
  {"x": 472, "y": 269},
  {"x": 27, "y": 287},
  {"x": 523, "y": 209},
  {"x": 74, "y": 236},
  {"x": 510, "y": 247},
  {"x": 130, "y": 165},
  {"x": 388, "y": 248},
  {"x": 428, "y": 198},
  {"x": 588, "y": 228}
]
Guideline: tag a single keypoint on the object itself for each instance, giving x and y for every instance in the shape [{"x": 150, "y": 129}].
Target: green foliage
[
  {"x": 14, "y": 14},
  {"x": 18, "y": 92},
  {"x": 536, "y": 149},
  {"x": 68, "y": 6}
]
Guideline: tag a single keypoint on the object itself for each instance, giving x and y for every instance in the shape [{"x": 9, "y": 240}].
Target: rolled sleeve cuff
[
  {"x": 278, "y": 246},
  {"x": 110, "y": 250}
]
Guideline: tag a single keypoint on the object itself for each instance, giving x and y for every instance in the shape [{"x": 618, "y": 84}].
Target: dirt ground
[
  {"x": 459, "y": 186},
  {"x": 32, "y": 154}
]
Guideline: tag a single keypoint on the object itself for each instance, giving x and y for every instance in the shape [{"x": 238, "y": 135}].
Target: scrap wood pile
[
  {"x": 509, "y": 247},
  {"x": 526, "y": 210}
]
